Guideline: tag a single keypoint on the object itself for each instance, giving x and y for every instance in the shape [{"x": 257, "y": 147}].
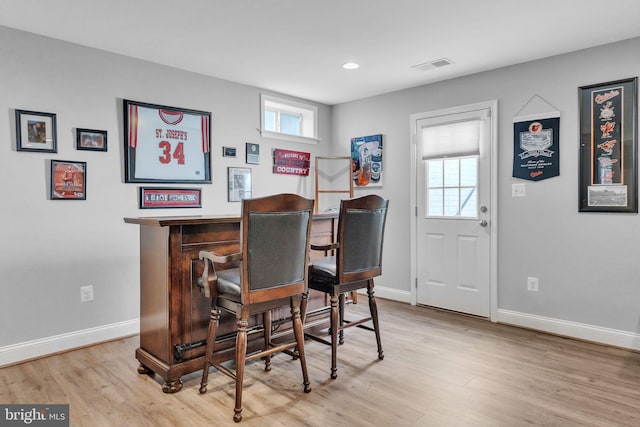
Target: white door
[{"x": 453, "y": 244}]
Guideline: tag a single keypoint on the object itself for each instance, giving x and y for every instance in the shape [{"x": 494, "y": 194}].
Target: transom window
[
  {"x": 452, "y": 187},
  {"x": 286, "y": 119}
]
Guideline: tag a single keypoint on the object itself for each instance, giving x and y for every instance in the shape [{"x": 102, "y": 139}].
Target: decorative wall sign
[
  {"x": 36, "y": 131},
  {"x": 154, "y": 197},
  {"x": 90, "y": 139},
  {"x": 366, "y": 159},
  {"x": 608, "y": 147},
  {"x": 68, "y": 180},
  {"x": 166, "y": 144},
  {"x": 536, "y": 149},
  {"x": 291, "y": 162},
  {"x": 253, "y": 153},
  {"x": 239, "y": 184}
]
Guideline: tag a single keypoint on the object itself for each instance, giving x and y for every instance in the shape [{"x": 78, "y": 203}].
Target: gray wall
[
  {"x": 51, "y": 248},
  {"x": 587, "y": 263}
]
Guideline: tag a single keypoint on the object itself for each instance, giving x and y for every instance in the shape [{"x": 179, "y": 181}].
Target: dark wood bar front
[{"x": 174, "y": 315}]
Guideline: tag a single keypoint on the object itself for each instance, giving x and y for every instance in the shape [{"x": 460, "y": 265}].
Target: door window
[{"x": 451, "y": 187}]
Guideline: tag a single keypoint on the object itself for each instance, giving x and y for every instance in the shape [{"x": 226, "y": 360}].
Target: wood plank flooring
[{"x": 440, "y": 369}]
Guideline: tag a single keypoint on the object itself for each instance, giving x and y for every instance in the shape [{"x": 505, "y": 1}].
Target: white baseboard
[
  {"x": 577, "y": 330},
  {"x": 389, "y": 293},
  {"x": 28, "y": 350}
]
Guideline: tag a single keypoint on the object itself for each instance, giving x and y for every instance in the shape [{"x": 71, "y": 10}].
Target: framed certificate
[{"x": 166, "y": 144}]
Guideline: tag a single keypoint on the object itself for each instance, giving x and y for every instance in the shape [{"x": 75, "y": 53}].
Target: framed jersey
[{"x": 166, "y": 144}]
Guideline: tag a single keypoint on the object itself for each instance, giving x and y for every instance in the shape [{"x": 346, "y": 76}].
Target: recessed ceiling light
[{"x": 350, "y": 66}]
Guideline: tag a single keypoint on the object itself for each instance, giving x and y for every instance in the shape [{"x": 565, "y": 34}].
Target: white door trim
[{"x": 493, "y": 107}]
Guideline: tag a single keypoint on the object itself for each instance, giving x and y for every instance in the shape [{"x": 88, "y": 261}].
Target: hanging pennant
[{"x": 536, "y": 141}]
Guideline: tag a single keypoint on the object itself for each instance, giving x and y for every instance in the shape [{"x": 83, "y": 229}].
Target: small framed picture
[
  {"x": 91, "y": 139},
  {"x": 68, "y": 180},
  {"x": 239, "y": 184},
  {"x": 253, "y": 153},
  {"x": 36, "y": 131}
]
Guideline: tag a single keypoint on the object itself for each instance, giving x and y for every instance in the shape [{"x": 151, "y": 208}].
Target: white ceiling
[{"x": 297, "y": 47}]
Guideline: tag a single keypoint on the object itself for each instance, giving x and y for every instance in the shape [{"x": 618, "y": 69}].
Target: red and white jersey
[{"x": 168, "y": 144}]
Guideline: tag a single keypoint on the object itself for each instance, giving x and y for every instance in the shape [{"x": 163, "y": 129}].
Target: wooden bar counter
[{"x": 174, "y": 315}]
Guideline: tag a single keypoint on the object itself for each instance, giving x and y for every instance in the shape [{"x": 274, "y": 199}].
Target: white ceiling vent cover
[{"x": 442, "y": 62}]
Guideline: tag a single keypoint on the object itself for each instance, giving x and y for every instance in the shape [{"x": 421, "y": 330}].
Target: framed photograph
[
  {"x": 608, "y": 147},
  {"x": 239, "y": 184},
  {"x": 68, "y": 180},
  {"x": 154, "y": 198},
  {"x": 91, "y": 139},
  {"x": 36, "y": 131},
  {"x": 166, "y": 144},
  {"x": 253, "y": 153}
]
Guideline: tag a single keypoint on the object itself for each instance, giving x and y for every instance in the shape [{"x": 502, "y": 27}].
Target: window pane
[
  {"x": 270, "y": 121},
  {"x": 451, "y": 201},
  {"x": 435, "y": 173},
  {"x": 290, "y": 123},
  {"x": 469, "y": 202},
  {"x": 469, "y": 172},
  {"x": 434, "y": 203},
  {"x": 451, "y": 173}
]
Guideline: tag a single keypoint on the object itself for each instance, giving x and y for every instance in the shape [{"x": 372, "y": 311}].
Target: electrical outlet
[
  {"x": 532, "y": 284},
  {"x": 86, "y": 293}
]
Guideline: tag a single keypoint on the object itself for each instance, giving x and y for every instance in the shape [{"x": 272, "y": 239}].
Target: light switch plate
[{"x": 518, "y": 190}]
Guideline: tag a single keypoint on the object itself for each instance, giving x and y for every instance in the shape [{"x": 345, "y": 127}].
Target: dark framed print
[
  {"x": 91, "y": 139},
  {"x": 239, "y": 184},
  {"x": 252, "y": 153},
  {"x": 608, "y": 147},
  {"x": 68, "y": 180},
  {"x": 36, "y": 131},
  {"x": 155, "y": 197},
  {"x": 166, "y": 144}
]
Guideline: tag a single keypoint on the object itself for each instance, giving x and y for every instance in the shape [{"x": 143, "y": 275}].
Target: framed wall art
[
  {"x": 366, "y": 158},
  {"x": 608, "y": 147},
  {"x": 239, "y": 184},
  {"x": 36, "y": 131},
  {"x": 155, "y": 197},
  {"x": 91, "y": 139},
  {"x": 166, "y": 144},
  {"x": 68, "y": 180}
]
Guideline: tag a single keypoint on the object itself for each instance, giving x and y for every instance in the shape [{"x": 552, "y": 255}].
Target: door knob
[{"x": 483, "y": 223}]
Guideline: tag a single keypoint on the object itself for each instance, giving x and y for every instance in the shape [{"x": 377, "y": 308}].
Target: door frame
[{"x": 492, "y": 105}]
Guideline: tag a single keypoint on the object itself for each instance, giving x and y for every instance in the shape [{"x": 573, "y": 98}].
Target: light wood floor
[{"x": 440, "y": 369}]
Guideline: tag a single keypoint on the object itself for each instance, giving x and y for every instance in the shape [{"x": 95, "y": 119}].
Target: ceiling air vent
[{"x": 432, "y": 64}]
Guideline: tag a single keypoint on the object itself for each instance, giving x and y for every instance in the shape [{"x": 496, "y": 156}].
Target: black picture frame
[
  {"x": 36, "y": 131},
  {"x": 608, "y": 147},
  {"x": 91, "y": 139},
  {"x": 68, "y": 180},
  {"x": 165, "y": 144}
]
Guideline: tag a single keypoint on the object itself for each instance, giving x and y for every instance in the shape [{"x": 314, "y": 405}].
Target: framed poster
[
  {"x": 166, "y": 144},
  {"x": 36, "y": 131},
  {"x": 90, "y": 139},
  {"x": 239, "y": 184},
  {"x": 366, "y": 161},
  {"x": 68, "y": 180},
  {"x": 155, "y": 197},
  {"x": 608, "y": 147}
]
